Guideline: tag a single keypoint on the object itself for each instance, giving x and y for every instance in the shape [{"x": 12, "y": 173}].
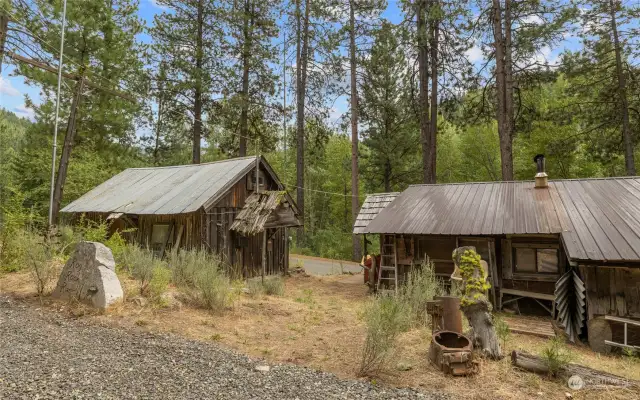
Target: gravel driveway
[{"x": 46, "y": 355}]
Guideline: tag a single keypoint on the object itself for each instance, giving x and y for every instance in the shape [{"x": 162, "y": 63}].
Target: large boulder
[{"x": 90, "y": 276}]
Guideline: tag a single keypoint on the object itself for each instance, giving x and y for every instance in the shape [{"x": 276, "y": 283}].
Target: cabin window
[
  {"x": 159, "y": 236},
  {"x": 536, "y": 260}
]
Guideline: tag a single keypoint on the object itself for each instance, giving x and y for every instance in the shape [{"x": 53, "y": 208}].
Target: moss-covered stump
[{"x": 474, "y": 302}]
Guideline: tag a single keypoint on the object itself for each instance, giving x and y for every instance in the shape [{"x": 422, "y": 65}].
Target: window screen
[
  {"x": 548, "y": 261},
  {"x": 525, "y": 260}
]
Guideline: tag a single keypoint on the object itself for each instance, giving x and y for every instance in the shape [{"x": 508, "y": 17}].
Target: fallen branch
[{"x": 592, "y": 378}]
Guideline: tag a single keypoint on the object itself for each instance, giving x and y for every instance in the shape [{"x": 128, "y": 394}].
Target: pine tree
[
  {"x": 101, "y": 54},
  {"x": 188, "y": 38},
  {"x": 391, "y": 130}
]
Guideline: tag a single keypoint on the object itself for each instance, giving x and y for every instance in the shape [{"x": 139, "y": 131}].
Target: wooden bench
[{"x": 533, "y": 295}]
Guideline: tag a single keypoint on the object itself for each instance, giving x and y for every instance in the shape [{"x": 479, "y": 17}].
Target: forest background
[{"x": 343, "y": 97}]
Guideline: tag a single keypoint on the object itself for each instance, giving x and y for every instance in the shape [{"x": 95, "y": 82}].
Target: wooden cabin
[
  {"x": 197, "y": 206},
  {"x": 569, "y": 248}
]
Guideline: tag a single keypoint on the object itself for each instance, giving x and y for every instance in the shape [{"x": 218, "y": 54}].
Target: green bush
[
  {"x": 255, "y": 288},
  {"x": 213, "y": 288},
  {"x": 502, "y": 329},
  {"x": 385, "y": 318},
  {"x": 40, "y": 261},
  {"x": 420, "y": 287},
  {"x": 159, "y": 283},
  {"x": 556, "y": 355},
  {"x": 274, "y": 286},
  {"x": 140, "y": 264}
]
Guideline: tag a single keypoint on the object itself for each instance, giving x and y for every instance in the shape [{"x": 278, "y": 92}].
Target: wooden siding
[{"x": 612, "y": 291}]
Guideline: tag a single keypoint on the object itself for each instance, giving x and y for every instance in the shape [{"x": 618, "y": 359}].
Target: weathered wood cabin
[
  {"x": 570, "y": 247},
  {"x": 236, "y": 208}
]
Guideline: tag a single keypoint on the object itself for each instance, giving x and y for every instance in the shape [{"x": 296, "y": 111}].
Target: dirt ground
[{"x": 316, "y": 323}]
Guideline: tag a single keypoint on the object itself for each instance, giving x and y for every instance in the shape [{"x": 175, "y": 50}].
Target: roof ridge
[
  {"x": 525, "y": 181},
  {"x": 195, "y": 165}
]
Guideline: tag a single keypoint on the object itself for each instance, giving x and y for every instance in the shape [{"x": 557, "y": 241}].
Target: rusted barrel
[{"x": 451, "y": 314}]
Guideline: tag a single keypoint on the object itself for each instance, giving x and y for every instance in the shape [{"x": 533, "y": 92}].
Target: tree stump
[
  {"x": 474, "y": 303},
  {"x": 599, "y": 331}
]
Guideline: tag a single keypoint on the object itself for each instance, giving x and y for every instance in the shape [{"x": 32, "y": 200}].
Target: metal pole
[
  {"x": 284, "y": 104},
  {"x": 55, "y": 129}
]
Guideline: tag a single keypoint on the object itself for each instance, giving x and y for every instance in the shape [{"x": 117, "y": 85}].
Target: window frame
[{"x": 535, "y": 247}]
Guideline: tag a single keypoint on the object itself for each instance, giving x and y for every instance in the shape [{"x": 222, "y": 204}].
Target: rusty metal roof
[
  {"x": 597, "y": 219},
  {"x": 373, "y": 204},
  {"x": 163, "y": 190}
]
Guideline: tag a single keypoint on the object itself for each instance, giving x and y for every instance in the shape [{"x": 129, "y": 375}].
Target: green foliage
[
  {"x": 274, "y": 286},
  {"x": 255, "y": 288},
  {"x": 502, "y": 329},
  {"x": 159, "y": 283},
  {"x": 40, "y": 261},
  {"x": 421, "y": 286},
  {"x": 556, "y": 355},
  {"x": 385, "y": 318},
  {"x": 474, "y": 286}
]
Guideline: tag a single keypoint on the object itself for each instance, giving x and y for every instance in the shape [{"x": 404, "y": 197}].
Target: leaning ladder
[{"x": 388, "y": 262}]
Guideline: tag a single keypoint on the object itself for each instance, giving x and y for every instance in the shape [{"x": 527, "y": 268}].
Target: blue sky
[{"x": 13, "y": 88}]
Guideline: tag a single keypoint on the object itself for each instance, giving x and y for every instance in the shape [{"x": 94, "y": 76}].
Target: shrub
[
  {"x": 385, "y": 318},
  {"x": 140, "y": 263},
  {"x": 274, "y": 286},
  {"x": 502, "y": 329},
  {"x": 40, "y": 260},
  {"x": 200, "y": 275},
  {"x": 556, "y": 355},
  {"x": 421, "y": 286},
  {"x": 159, "y": 283},
  {"x": 255, "y": 288}
]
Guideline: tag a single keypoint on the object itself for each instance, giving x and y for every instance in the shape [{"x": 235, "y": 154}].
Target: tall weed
[
  {"x": 385, "y": 318},
  {"x": 420, "y": 287}
]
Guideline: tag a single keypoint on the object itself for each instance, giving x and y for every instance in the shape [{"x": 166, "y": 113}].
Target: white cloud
[
  {"x": 532, "y": 19},
  {"x": 155, "y": 4},
  {"x": 7, "y": 88},
  {"x": 474, "y": 54},
  {"x": 25, "y": 112}
]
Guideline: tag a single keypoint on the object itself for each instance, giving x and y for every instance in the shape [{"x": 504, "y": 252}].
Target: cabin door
[{"x": 486, "y": 248}]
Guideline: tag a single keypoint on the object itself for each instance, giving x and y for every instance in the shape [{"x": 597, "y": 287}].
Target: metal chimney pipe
[{"x": 542, "y": 180}]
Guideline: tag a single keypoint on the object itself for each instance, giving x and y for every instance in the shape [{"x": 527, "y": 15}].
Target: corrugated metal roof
[
  {"x": 373, "y": 204},
  {"x": 598, "y": 219},
  {"x": 163, "y": 190}
]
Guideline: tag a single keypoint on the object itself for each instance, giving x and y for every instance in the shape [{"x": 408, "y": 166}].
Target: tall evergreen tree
[
  {"x": 391, "y": 130},
  {"x": 187, "y": 38}
]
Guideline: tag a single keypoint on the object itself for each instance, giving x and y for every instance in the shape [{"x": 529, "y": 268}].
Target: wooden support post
[
  {"x": 286, "y": 251},
  {"x": 264, "y": 253}
]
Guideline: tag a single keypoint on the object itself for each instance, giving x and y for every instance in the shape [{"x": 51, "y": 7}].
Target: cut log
[{"x": 592, "y": 378}]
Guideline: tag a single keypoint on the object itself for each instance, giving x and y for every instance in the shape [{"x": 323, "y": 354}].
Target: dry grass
[{"x": 316, "y": 323}]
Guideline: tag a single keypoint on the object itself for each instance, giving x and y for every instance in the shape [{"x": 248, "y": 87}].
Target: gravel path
[{"x": 45, "y": 355}]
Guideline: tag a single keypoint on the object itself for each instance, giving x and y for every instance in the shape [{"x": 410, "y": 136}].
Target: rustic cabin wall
[
  {"x": 612, "y": 291},
  {"x": 533, "y": 281}
]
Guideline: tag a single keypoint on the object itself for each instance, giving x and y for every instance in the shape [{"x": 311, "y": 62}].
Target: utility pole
[{"x": 53, "y": 215}]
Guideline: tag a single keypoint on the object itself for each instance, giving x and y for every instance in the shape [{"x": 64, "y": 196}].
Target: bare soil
[{"x": 316, "y": 324}]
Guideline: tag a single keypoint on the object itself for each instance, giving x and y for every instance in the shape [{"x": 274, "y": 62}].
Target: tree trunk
[
  {"x": 301, "y": 93},
  {"x": 629, "y": 159},
  {"x": 244, "y": 115},
  {"x": 504, "y": 134},
  {"x": 509, "y": 109},
  {"x": 423, "y": 69},
  {"x": 67, "y": 148},
  {"x": 355, "y": 199},
  {"x": 387, "y": 176},
  {"x": 197, "y": 104},
  {"x": 433, "y": 128},
  {"x": 592, "y": 378},
  {"x": 161, "y": 81},
  {"x": 484, "y": 333},
  {"x": 4, "y": 26}
]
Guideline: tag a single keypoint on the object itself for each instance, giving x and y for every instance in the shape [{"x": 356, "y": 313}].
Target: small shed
[
  {"x": 571, "y": 247},
  {"x": 237, "y": 208}
]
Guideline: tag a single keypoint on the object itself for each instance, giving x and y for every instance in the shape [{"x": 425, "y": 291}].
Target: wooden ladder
[{"x": 388, "y": 262}]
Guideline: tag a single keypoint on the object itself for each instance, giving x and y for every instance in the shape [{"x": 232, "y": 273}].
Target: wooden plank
[{"x": 533, "y": 295}]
